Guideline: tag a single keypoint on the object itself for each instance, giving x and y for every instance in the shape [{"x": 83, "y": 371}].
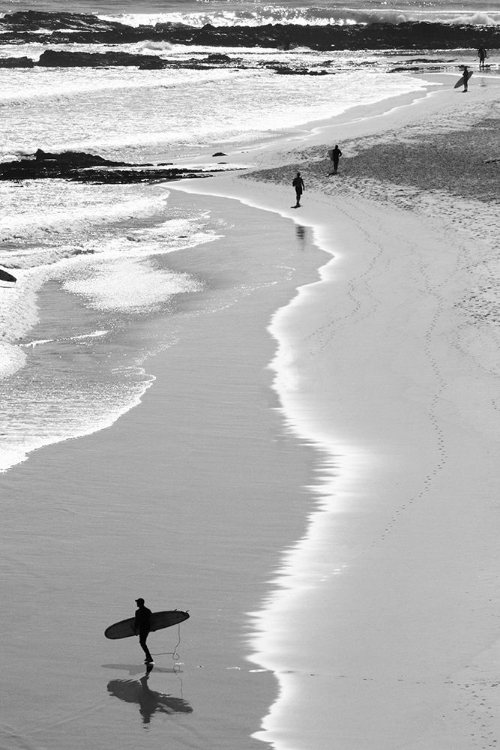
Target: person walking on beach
[
  {"x": 481, "y": 53},
  {"x": 299, "y": 186},
  {"x": 142, "y": 627},
  {"x": 336, "y": 153}
]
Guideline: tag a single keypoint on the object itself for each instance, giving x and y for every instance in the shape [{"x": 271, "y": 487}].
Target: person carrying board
[
  {"x": 467, "y": 75},
  {"x": 142, "y": 627}
]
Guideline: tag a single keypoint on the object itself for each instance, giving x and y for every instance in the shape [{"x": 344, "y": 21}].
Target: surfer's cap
[{"x": 139, "y": 601}]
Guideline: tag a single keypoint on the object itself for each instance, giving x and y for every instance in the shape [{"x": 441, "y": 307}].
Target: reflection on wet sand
[
  {"x": 149, "y": 701},
  {"x": 301, "y": 236},
  {"x": 134, "y": 669}
]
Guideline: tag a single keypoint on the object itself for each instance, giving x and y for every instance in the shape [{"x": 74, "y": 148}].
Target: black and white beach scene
[{"x": 249, "y": 365}]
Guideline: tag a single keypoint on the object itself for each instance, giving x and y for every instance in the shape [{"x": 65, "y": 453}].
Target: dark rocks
[
  {"x": 428, "y": 60},
  {"x": 283, "y": 70},
  {"x": 218, "y": 59},
  {"x": 74, "y": 159},
  {"x": 17, "y": 62},
  {"x": 53, "y": 58},
  {"x": 409, "y": 69},
  {"x": 67, "y": 28},
  {"x": 64, "y": 59},
  {"x": 151, "y": 62},
  {"x": 82, "y": 167}
]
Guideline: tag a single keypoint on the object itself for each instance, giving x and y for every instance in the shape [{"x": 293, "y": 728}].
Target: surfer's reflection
[
  {"x": 301, "y": 235},
  {"x": 150, "y": 701}
]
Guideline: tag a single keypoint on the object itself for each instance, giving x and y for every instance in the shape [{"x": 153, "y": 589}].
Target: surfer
[
  {"x": 481, "y": 53},
  {"x": 466, "y": 79},
  {"x": 142, "y": 627},
  {"x": 336, "y": 153},
  {"x": 299, "y": 186}
]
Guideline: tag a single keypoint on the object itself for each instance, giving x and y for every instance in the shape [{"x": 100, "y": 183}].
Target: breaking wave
[{"x": 311, "y": 16}]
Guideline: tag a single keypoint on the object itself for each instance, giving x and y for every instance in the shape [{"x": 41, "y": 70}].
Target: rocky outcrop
[
  {"x": 17, "y": 62},
  {"x": 82, "y": 167},
  {"x": 284, "y": 70},
  {"x": 64, "y": 59},
  {"x": 59, "y": 28},
  {"x": 53, "y": 58},
  {"x": 217, "y": 59}
]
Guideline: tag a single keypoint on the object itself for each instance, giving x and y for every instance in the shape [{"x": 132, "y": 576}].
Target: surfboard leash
[{"x": 174, "y": 654}]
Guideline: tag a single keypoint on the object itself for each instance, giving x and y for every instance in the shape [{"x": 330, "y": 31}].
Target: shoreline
[
  {"x": 363, "y": 492},
  {"x": 186, "y": 500},
  {"x": 426, "y": 448}
]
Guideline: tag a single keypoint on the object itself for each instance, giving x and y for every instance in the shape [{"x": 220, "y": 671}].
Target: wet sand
[{"x": 188, "y": 501}]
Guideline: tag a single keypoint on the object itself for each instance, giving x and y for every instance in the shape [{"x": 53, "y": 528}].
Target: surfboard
[
  {"x": 4, "y": 276},
  {"x": 159, "y": 620},
  {"x": 462, "y": 80}
]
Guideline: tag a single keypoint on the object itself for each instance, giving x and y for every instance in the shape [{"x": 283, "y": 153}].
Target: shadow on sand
[{"x": 149, "y": 701}]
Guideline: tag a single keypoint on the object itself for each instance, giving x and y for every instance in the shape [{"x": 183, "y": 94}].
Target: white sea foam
[
  {"x": 55, "y": 209},
  {"x": 18, "y": 309},
  {"x": 11, "y": 359},
  {"x": 37, "y": 342},
  {"x": 252, "y": 15},
  {"x": 40, "y": 342},
  {"x": 64, "y": 413},
  {"x": 163, "y": 115},
  {"x": 131, "y": 285},
  {"x": 18, "y": 314},
  {"x": 93, "y": 335}
]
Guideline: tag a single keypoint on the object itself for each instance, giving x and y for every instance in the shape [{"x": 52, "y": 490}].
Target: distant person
[
  {"x": 299, "y": 186},
  {"x": 142, "y": 627},
  {"x": 336, "y": 153},
  {"x": 466, "y": 79},
  {"x": 481, "y": 53}
]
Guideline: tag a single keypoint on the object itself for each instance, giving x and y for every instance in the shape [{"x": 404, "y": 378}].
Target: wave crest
[{"x": 310, "y": 16}]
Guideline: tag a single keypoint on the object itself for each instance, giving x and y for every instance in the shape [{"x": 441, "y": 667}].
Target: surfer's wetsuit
[
  {"x": 298, "y": 184},
  {"x": 142, "y": 626},
  {"x": 466, "y": 79},
  {"x": 336, "y": 154}
]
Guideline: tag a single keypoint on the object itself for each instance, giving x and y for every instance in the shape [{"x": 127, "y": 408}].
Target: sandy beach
[
  {"x": 313, "y": 473},
  {"x": 390, "y": 363}
]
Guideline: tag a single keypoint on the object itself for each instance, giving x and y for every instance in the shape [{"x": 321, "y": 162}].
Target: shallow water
[{"x": 86, "y": 256}]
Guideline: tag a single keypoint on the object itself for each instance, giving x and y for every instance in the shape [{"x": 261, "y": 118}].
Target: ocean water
[
  {"x": 92, "y": 260},
  {"x": 287, "y": 11}
]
